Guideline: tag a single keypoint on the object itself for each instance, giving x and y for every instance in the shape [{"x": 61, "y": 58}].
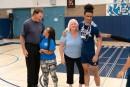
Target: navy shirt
[
  {"x": 88, "y": 46},
  {"x": 32, "y": 31}
]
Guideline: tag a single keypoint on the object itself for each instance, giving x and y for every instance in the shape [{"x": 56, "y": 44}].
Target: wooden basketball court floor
[{"x": 13, "y": 70}]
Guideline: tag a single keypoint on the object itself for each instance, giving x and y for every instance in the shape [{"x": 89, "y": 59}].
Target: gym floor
[{"x": 112, "y": 57}]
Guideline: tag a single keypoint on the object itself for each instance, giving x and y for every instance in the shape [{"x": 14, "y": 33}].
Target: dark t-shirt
[
  {"x": 88, "y": 46},
  {"x": 32, "y": 31}
]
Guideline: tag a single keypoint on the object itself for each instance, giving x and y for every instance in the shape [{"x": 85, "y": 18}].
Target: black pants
[
  {"x": 70, "y": 69},
  {"x": 128, "y": 81},
  {"x": 33, "y": 64}
]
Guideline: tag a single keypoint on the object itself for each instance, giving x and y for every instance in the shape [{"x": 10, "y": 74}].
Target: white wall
[
  {"x": 45, "y": 3},
  {"x": 95, "y": 2}
]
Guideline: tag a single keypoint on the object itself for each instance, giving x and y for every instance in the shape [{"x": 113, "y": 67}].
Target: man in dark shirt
[{"x": 30, "y": 39}]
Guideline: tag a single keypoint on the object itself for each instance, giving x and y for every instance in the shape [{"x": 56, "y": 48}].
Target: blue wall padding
[
  {"x": 116, "y": 25},
  {"x": 5, "y": 27}
]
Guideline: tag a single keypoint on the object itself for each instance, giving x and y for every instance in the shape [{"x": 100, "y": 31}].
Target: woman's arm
[
  {"x": 99, "y": 45},
  {"x": 61, "y": 48}
]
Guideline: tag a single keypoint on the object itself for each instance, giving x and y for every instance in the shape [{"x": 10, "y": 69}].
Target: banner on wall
[
  {"x": 118, "y": 8},
  {"x": 70, "y": 3}
]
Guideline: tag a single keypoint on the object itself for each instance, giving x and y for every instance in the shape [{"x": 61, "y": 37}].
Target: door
[
  {"x": 20, "y": 15},
  {"x": 54, "y": 17}
]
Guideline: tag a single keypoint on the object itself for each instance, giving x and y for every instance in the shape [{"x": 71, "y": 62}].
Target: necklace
[{"x": 85, "y": 33}]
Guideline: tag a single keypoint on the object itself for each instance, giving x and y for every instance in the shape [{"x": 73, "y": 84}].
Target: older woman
[{"x": 70, "y": 51}]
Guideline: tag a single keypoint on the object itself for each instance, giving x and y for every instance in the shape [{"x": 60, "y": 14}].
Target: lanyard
[{"x": 85, "y": 32}]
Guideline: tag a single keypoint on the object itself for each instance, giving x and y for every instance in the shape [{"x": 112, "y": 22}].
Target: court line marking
[
  {"x": 123, "y": 77},
  {"x": 110, "y": 71},
  {"x": 16, "y": 59},
  {"x": 9, "y": 50},
  {"x": 99, "y": 58},
  {"x": 9, "y": 82},
  {"x": 105, "y": 64},
  {"x": 11, "y": 69}
]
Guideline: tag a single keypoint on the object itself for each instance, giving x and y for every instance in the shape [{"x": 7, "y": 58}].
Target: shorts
[{"x": 87, "y": 58}]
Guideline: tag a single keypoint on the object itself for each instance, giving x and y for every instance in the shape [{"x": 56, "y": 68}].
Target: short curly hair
[
  {"x": 88, "y": 8},
  {"x": 36, "y": 11}
]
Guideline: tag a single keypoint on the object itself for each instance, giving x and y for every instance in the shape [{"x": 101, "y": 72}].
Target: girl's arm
[{"x": 49, "y": 52}]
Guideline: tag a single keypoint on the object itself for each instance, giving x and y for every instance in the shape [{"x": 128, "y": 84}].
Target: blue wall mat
[
  {"x": 125, "y": 26},
  {"x": 20, "y": 15},
  {"x": 107, "y": 25},
  {"x": 116, "y": 25},
  {"x": 5, "y": 27},
  {"x": 79, "y": 19},
  {"x": 54, "y": 17}
]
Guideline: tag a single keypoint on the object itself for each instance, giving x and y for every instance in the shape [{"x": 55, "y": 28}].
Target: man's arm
[
  {"x": 118, "y": 38},
  {"x": 125, "y": 67},
  {"x": 22, "y": 42}
]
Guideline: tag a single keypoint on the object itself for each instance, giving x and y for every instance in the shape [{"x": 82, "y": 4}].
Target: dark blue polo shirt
[
  {"x": 32, "y": 31},
  {"x": 88, "y": 46}
]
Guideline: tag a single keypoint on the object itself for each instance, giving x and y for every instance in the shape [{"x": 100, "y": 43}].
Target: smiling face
[
  {"x": 73, "y": 24},
  {"x": 46, "y": 32},
  {"x": 49, "y": 33},
  {"x": 88, "y": 17},
  {"x": 38, "y": 17}
]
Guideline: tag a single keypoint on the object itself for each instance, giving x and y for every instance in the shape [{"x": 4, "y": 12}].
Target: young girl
[{"x": 48, "y": 57}]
